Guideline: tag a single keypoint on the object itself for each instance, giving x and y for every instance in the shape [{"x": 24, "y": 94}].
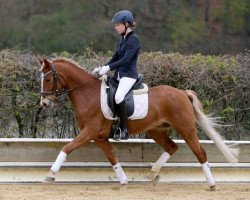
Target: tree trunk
[
  {"x": 207, "y": 7},
  {"x": 246, "y": 30}
]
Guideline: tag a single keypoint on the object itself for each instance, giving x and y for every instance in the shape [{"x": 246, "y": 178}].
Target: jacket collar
[
  {"x": 129, "y": 34},
  {"x": 124, "y": 39}
]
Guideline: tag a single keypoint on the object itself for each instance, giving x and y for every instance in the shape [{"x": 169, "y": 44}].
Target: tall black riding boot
[{"x": 122, "y": 113}]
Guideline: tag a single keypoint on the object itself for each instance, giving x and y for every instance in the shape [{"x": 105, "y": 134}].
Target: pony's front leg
[
  {"x": 161, "y": 137},
  {"x": 154, "y": 175},
  {"x": 109, "y": 152},
  {"x": 84, "y": 137}
]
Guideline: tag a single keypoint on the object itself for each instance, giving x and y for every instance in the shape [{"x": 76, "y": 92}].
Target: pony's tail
[{"x": 207, "y": 125}]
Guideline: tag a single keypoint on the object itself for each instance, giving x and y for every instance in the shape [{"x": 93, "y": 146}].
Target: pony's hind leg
[
  {"x": 84, "y": 137},
  {"x": 160, "y": 136},
  {"x": 109, "y": 152},
  {"x": 189, "y": 134}
]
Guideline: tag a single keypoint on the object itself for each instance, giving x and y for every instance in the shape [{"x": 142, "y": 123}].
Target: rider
[{"x": 124, "y": 61}]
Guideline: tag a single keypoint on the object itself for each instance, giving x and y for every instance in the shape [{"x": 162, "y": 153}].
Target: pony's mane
[{"x": 73, "y": 63}]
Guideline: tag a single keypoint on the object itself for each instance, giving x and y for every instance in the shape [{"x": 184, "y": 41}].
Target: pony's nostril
[{"x": 45, "y": 104}]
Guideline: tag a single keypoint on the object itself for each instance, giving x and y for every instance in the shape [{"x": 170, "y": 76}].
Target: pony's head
[{"x": 51, "y": 83}]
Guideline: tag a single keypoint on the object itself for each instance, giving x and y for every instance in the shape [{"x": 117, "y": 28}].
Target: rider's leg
[
  {"x": 125, "y": 84},
  {"x": 122, "y": 112}
]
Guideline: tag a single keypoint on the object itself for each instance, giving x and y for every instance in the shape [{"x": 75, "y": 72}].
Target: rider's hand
[
  {"x": 96, "y": 71},
  {"x": 104, "y": 70}
]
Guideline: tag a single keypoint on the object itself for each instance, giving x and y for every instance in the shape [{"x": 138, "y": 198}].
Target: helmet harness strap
[{"x": 126, "y": 28}]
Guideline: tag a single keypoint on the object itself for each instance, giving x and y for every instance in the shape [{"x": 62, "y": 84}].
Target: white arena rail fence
[{"x": 29, "y": 160}]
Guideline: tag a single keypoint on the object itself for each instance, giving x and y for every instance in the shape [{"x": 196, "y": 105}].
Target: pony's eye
[{"x": 47, "y": 80}]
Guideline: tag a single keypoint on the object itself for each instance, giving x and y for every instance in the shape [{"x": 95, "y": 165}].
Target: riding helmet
[{"x": 123, "y": 17}]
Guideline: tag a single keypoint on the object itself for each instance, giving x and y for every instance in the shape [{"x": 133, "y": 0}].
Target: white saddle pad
[{"x": 140, "y": 103}]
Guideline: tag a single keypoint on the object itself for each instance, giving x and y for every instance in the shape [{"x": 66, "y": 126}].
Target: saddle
[{"x": 112, "y": 84}]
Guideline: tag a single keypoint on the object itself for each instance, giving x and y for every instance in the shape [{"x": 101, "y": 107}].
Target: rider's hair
[{"x": 131, "y": 24}]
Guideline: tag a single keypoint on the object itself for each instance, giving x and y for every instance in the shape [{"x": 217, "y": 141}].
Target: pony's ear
[
  {"x": 45, "y": 64},
  {"x": 40, "y": 61}
]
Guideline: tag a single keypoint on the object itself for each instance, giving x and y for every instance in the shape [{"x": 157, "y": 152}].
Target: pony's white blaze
[
  {"x": 41, "y": 101},
  {"x": 42, "y": 78}
]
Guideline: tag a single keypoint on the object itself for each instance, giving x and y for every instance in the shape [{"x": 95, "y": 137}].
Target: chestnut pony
[{"x": 169, "y": 107}]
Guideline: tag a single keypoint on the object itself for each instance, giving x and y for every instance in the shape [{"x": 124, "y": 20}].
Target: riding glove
[
  {"x": 96, "y": 71},
  {"x": 104, "y": 70}
]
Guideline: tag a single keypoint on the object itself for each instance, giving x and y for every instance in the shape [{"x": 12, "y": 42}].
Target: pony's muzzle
[{"x": 46, "y": 102}]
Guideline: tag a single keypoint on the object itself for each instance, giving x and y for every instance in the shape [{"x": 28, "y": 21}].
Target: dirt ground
[{"x": 144, "y": 191}]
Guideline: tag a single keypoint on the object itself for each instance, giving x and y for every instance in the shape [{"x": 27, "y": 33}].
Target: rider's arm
[{"x": 132, "y": 49}]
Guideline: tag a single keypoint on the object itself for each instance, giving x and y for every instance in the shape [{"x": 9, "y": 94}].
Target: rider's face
[{"x": 120, "y": 28}]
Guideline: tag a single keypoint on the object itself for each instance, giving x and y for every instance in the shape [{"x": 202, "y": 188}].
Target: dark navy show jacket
[{"x": 124, "y": 60}]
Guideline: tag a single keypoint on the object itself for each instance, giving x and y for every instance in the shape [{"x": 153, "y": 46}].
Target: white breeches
[{"x": 125, "y": 84}]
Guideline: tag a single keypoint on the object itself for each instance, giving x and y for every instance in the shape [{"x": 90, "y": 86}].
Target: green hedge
[{"x": 221, "y": 82}]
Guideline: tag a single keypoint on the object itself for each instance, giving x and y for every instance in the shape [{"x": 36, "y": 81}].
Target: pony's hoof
[
  {"x": 154, "y": 177},
  {"x": 49, "y": 179},
  {"x": 156, "y": 180},
  {"x": 211, "y": 188},
  {"x": 123, "y": 186}
]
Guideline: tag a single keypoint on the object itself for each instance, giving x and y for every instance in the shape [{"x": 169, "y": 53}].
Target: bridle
[{"x": 56, "y": 79}]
